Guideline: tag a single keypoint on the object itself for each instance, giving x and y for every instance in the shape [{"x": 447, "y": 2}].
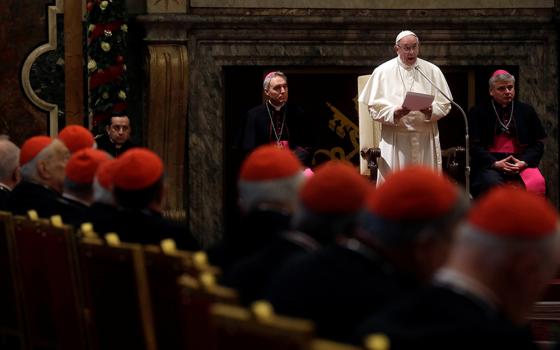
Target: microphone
[{"x": 467, "y": 159}]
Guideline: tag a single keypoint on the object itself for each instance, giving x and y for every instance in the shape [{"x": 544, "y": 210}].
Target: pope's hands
[
  {"x": 399, "y": 113},
  {"x": 427, "y": 112}
]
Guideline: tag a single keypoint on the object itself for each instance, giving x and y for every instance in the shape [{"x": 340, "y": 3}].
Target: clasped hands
[
  {"x": 510, "y": 165},
  {"x": 400, "y": 112}
]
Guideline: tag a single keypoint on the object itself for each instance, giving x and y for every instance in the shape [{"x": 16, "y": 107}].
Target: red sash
[{"x": 532, "y": 177}]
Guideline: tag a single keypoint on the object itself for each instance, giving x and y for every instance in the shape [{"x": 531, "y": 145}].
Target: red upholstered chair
[
  {"x": 198, "y": 294},
  {"x": 237, "y": 327},
  {"x": 46, "y": 256},
  {"x": 117, "y": 297},
  {"x": 165, "y": 266},
  {"x": 11, "y": 317}
]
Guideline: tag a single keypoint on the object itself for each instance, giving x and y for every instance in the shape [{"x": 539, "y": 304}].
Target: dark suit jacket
[
  {"x": 149, "y": 227},
  {"x": 104, "y": 217},
  {"x": 337, "y": 288},
  {"x": 28, "y": 195},
  {"x": 105, "y": 144},
  {"x": 255, "y": 231},
  {"x": 443, "y": 318},
  {"x": 252, "y": 276},
  {"x": 4, "y": 197},
  {"x": 73, "y": 212}
]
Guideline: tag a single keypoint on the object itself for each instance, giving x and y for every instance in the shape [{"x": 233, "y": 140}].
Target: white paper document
[{"x": 416, "y": 101}]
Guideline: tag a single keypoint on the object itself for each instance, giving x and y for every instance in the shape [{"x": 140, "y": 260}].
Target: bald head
[{"x": 9, "y": 163}]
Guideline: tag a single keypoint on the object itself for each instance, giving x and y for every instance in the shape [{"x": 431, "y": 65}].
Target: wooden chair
[
  {"x": 51, "y": 293},
  {"x": 198, "y": 294},
  {"x": 117, "y": 298},
  {"x": 257, "y": 328},
  {"x": 545, "y": 317},
  {"x": 11, "y": 317},
  {"x": 164, "y": 265},
  {"x": 323, "y": 344},
  {"x": 545, "y": 322}
]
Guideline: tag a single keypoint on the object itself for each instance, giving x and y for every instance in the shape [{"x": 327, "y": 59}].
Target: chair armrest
[{"x": 371, "y": 155}]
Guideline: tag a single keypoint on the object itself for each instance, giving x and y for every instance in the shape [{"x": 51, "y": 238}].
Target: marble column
[{"x": 167, "y": 77}]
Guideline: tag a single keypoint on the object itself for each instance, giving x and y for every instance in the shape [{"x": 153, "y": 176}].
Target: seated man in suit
[
  {"x": 329, "y": 203},
  {"x": 43, "y": 162},
  {"x": 502, "y": 259},
  {"x": 506, "y": 139},
  {"x": 116, "y": 139},
  {"x": 268, "y": 184},
  {"x": 78, "y": 184},
  {"x": 138, "y": 189}
]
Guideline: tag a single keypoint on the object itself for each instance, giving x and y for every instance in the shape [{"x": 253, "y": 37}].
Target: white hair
[
  {"x": 29, "y": 169},
  {"x": 9, "y": 158},
  {"x": 495, "y": 250},
  {"x": 269, "y": 76},
  {"x": 281, "y": 191},
  {"x": 101, "y": 194}
]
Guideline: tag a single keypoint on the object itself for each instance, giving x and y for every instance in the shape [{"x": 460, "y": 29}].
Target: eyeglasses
[{"x": 409, "y": 48}]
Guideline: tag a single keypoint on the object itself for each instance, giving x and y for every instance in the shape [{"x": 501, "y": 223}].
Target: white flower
[
  {"x": 122, "y": 95},
  {"x": 103, "y": 5},
  {"x": 91, "y": 27},
  {"x": 105, "y": 95},
  {"x": 92, "y": 65},
  {"x": 124, "y": 28},
  {"x": 105, "y": 46}
]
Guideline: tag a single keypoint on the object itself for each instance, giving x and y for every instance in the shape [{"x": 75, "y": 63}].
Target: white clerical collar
[
  {"x": 463, "y": 284},
  {"x": 276, "y": 108}
]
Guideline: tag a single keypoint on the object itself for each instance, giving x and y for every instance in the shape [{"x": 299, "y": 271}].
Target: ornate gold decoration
[
  {"x": 52, "y": 11},
  {"x": 343, "y": 127}
]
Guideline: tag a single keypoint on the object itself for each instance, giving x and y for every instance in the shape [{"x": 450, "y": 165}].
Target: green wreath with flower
[{"x": 106, "y": 52}]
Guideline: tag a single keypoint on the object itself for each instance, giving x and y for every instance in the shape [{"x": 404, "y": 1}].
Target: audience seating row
[{"x": 71, "y": 289}]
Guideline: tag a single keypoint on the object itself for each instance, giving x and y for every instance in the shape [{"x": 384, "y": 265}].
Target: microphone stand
[{"x": 467, "y": 159}]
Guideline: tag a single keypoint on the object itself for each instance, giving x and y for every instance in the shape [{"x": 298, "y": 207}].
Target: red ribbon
[{"x": 101, "y": 77}]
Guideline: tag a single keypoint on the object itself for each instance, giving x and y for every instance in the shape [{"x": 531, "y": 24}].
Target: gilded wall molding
[
  {"x": 51, "y": 45},
  {"x": 167, "y": 74}
]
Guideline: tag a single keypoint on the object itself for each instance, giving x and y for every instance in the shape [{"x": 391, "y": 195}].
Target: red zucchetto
[
  {"x": 335, "y": 187},
  {"x": 31, "y": 147},
  {"x": 137, "y": 169},
  {"x": 414, "y": 193},
  {"x": 514, "y": 213}
]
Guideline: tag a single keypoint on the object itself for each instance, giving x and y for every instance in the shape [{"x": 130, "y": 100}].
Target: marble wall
[{"x": 526, "y": 38}]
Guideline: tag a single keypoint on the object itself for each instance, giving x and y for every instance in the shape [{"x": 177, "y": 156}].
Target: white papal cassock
[{"x": 413, "y": 140}]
